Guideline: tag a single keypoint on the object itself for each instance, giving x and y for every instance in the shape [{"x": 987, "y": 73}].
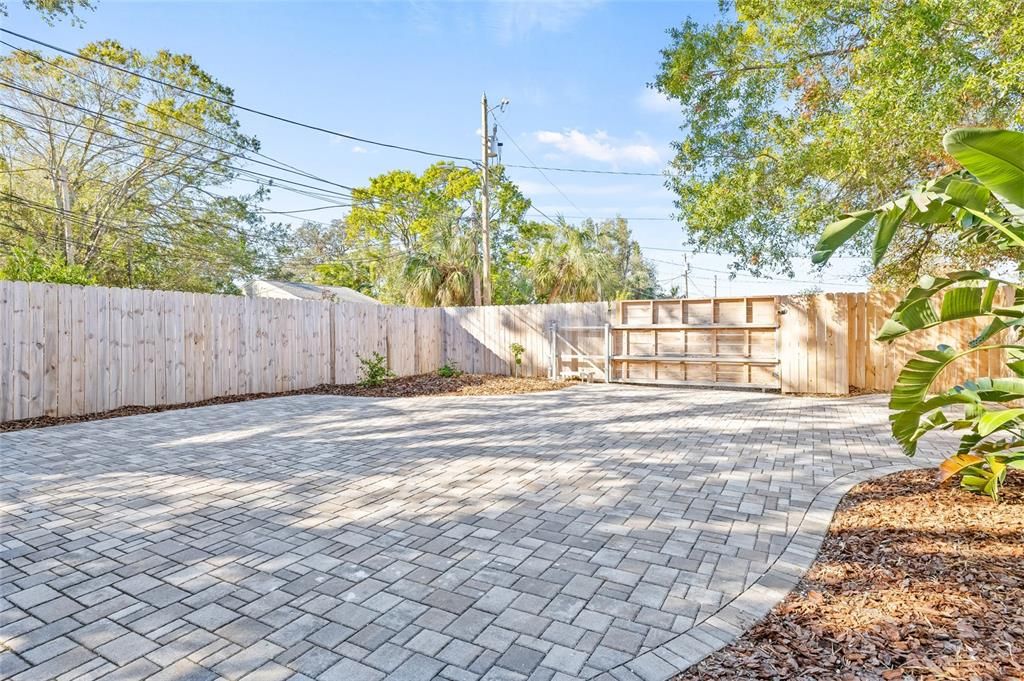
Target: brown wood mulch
[
  {"x": 913, "y": 581},
  {"x": 421, "y": 385}
]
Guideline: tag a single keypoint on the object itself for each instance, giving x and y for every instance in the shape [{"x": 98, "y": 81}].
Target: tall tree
[
  {"x": 124, "y": 177},
  {"x": 636, "y": 276},
  {"x": 572, "y": 266},
  {"x": 421, "y": 229},
  {"x": 797, "y": 107}
]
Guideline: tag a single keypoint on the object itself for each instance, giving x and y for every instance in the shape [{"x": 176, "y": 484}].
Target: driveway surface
[{"x": 606, "y": 532}]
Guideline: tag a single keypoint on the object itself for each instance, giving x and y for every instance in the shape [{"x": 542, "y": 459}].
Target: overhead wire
[
  {"x": 110, "y": 117},
  {"x": 280, "y": 164},
  {"x": 529, "y": 160},
  {"x": 240, "y": 107},
  {"x": 309, "y": 126}
]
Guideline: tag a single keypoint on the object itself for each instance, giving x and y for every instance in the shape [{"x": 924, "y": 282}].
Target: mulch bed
[
  {"x": 421, "y": 385},
  {"x": 912, "y": 582}
]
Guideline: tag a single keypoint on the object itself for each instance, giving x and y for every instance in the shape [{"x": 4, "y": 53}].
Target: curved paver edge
[{"x": 753, "y": 603}]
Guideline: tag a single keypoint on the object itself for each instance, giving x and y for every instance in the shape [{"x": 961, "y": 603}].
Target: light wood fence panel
[
  {"x": 71, "y": 350},
  {"x": 479, "y": 339},
  {"x": 829, "y": 345}
]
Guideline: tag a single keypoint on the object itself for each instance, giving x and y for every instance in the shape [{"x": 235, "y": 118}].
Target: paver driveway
[{"x": 608, "y": 532}]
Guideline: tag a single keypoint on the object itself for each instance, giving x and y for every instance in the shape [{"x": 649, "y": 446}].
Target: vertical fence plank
[{"x": 8, "y": 338}]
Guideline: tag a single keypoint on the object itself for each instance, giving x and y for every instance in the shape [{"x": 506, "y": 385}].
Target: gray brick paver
[{"x": 548, "y": 536}]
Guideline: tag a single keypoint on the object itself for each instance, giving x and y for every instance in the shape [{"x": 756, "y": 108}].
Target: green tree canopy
[
  {"x": 795, "y": 107},
  {"x": 128, "y": 179},
  {"x": 414, "y": 239},
  {"x": 421, "y": 232},
  {"x": 53, "y": 9}
]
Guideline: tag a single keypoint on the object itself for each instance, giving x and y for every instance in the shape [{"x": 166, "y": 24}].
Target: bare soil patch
[
  {"x": 913, "y": 581},
  {"x": 421, "y": 385}
]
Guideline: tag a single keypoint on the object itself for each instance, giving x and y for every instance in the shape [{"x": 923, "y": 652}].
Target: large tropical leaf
[
  {"x": 916, "y": 311},
  {"x": 996, "y": 420},
  {"x": 839, "y": 232},
  {"x": 888, "y": 222},
  {"x": 996, "y": 158},
  {"x": 955, "y": 464},
  {"x": 910, "y": 402}
]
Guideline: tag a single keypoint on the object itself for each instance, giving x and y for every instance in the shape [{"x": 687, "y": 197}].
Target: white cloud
[
  {"x": 518, "y": 18},
  {"x": 599, "y": 147},
  {"x": 655, "y": 102},
  {"x": 358, "y": 149}
]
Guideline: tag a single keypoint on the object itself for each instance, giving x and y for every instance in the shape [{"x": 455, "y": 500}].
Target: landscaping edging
[{"x": 742, "y": 612}]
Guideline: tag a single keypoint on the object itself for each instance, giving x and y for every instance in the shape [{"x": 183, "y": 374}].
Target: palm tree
[
  {"x": 572, "y": 265},
  {"x": 443, "y": 271}
]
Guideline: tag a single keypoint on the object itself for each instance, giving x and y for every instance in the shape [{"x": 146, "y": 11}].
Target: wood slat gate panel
[{"x": 721, "y": 342}]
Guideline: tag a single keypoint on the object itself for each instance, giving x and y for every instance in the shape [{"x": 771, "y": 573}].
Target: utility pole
[
  {"x": 716, "y": 286},
  {"x": 686, "y": 276},
  {"x": 485, "y": 218},
  {"x": 65, "y": 207}
]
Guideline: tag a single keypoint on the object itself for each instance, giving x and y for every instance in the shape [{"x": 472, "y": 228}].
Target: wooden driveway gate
[{"x": 720, "y": 342}]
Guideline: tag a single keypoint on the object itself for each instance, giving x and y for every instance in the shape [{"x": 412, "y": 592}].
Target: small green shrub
[
  {"x": 449, "y": 370},
  {"x": 373, "y": 370},
  {"x": 517, "y": 357}
]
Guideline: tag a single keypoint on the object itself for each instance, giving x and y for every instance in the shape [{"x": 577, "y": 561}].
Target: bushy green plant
[
  {"x": 982, "y": 202},
  {"x": 449, "y": 370},
  {"x": 517, "y": 357},
  {"x": 23, "y": 264},
  {"x": 373, "y": 370}
]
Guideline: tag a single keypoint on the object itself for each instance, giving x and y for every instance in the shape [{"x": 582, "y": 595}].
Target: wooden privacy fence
[
  {"x": 828, "y": 345},
  {"x": 72, "y": 350}
]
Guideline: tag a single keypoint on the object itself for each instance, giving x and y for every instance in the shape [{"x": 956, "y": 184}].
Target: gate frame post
[
  {"x": 607, "y": 352},
  {"x": 553, "y": 348}
]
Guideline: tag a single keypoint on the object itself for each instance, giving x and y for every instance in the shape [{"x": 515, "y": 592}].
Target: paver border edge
[{"x": 755, "y": 602}]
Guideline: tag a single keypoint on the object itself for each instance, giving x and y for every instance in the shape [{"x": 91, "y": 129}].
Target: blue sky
[{"x": 412, "y": 74}]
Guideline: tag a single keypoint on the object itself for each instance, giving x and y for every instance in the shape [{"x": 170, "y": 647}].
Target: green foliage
[
  {"x": 22, "y": 264},
  {"x": 984, "y": 200},
  {"x": 592, "y": 261},
  {"x": 51, "y": 10},
  {"x": 517, "y": 351},
  {"x": 415, "y": 240},
  {"x": 150, "y": 179},
  {"x": 418, "y": 235},
  {"x": 449, "y": 370},
  {"x": 373, "y": 370},
  {"x": 798, "y": 109}
]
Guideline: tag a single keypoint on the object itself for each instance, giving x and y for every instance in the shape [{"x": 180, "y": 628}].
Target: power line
[
  {"x": 281, "y": 164},
  {"x": 534, "y": 165},
  {"x": 244, "y": 174},
  {"x": 604, "y": 219},
  {"x": 240, "y": 107},
  {"x": 329, "y": 197},
  {"x": 580, "y": 170},
  {"x": 290, "y": 121},
  {"x": 110, "y": 117}
]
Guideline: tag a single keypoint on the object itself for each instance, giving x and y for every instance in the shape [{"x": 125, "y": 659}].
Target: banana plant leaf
[
  {"x": 910, "y": 402},
  {"x": 997, "y": 420},
  {"x": 955, "y": 464},
  {"x": 916, "y": 311},
  {"x": 996, "y": 158},
  {"x": 839, "y": 232}
]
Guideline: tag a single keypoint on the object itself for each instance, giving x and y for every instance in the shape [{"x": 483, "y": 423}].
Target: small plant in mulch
[
  {"x": 373, "y": 370},
  {"x": 449, "y": 370},
  {"x": 517, "y": 358}
]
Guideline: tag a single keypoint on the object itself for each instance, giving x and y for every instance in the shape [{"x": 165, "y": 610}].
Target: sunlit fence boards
[{"x": 72, "y": 350}]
